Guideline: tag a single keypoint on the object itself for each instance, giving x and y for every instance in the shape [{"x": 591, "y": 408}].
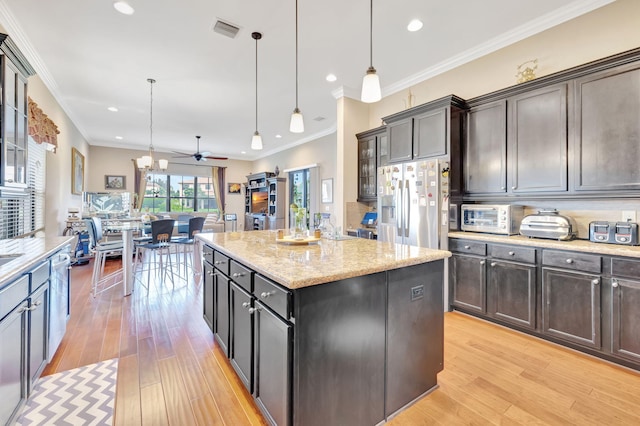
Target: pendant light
[
  {"x": 297, "y": 122},
  {"x": 147, "y": 162},
  {"x": 256, "y": 140},
  {"x": 371, "y": 83}
]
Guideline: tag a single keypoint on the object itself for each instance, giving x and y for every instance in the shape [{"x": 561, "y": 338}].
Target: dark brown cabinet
[
  {"x": 425, "y": 131},
  {"x": 241, "y": 352},
  {"x": 207, "y": 294},
  {"x": 485, "y": 149},
  {"x": 625, "y": 318},
  {"x": 367, "y": 165},
  {"x": 607, "y": 137},
  {"x": 222, "y": 331},
  {"x": 511, "y": 285},
  {"x": 467, "y": 275},
  {"x": 537, "y": 140}
]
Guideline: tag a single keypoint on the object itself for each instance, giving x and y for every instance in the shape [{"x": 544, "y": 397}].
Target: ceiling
[{"x": 91, "y": 57}]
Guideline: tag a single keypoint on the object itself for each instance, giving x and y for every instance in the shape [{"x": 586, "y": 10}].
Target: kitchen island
[{"x": 335, "y": 332}]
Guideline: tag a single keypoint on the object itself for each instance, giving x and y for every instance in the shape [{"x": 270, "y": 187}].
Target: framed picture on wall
[
  {"x": 114, "y": 182},
  {"x": 77, "y": 172},
  {"x": 234, "y": 188}
]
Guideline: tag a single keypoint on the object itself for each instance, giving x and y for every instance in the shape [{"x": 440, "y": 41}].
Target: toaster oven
[{"x": 491, "y": 218}]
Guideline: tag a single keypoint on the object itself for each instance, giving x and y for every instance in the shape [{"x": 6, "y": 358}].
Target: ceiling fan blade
[
  {"x": 205, "y": 153},
  {"x": 216, "y": 158},
  {"x": 182, "y": 156}
]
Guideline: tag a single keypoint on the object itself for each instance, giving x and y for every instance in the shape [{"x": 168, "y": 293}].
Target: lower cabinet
[
  {"x": 468, "y": 278},
  {"x": 511, "y": 293},
  {"x": 241, "y": 353},
  {"x": 222, "y": 330},
  {"x": 273, "y": 361},
  {"x": 625, "y": 315},
  {"x": 38, "y": 332},
  {"x": 13, "y": 346},
  {"x": 208, "y": 278}
]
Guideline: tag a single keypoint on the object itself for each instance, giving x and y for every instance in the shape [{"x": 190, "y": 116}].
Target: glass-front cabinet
[
  {"x": 368, "y": 144},
  {"x": 14, "y": 71}
]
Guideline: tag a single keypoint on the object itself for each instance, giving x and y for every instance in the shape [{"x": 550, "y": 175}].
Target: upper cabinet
[
  {"x": 607, "y": 132},
  {"x": 425, "y": 131},
  {"x": 14, "y": 70},
  {"x": 372, "y": 152}
]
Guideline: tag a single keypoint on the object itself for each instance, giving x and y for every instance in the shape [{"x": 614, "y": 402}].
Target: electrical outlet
[{"x": 628, "y": 215}]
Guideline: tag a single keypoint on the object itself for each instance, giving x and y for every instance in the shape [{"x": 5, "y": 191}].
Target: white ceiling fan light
[{"x": 123, "y": 7}]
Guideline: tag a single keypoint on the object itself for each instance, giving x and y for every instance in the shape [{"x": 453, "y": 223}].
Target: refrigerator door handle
[
  {"x": 407, "y": 212},
  {"x": 400, "y": 213}
]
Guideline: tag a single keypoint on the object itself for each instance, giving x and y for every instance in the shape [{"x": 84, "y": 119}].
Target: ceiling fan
[{"x": 198, "y": 156}]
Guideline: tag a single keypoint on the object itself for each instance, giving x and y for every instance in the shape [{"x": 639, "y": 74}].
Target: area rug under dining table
[{"x": 82, "y": 396}]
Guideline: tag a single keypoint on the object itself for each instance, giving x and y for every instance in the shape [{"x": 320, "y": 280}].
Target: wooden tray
[{"x": 293, "y": 241}]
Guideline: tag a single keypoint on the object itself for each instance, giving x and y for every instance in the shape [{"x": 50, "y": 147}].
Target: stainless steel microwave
[{"x": 492, "y": 218}]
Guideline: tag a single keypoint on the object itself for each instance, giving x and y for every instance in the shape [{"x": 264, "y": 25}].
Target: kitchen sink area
[{"x": 6, "y": 258}]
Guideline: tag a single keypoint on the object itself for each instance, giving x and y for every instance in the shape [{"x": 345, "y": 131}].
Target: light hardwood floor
[{"x": 170, "y": 371}]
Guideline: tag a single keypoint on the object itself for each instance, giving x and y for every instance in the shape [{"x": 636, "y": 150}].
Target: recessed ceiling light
[
  {"x": 113, "y": 109},
  {"x": 414, "y": 25},
  {"x": 278, "y": 136},
  {"x": 243, "y": 152},
  {"x": 331, "y": 78},
  {"x": 119, "y": 138},
  {"x": 123, "y": 7}
]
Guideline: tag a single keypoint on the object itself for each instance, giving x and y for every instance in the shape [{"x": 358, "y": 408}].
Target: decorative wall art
[
  {"x": 114, "y": 182},
  {"x": 327, "y": 191},
  {"x": 234, "y": 188},
  {"x": 77, "y": 172}
]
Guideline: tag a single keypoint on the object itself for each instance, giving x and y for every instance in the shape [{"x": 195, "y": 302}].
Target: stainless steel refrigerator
[{"x": 413, "y": 203}]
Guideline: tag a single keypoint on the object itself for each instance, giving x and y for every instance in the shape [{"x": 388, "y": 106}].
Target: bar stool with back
[
  {"x": 101, "y": 250},
  {"x": 160, "y": 245},
  {"x": 195, "y": 226}
]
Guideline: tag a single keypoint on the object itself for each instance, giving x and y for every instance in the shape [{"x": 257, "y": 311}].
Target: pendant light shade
[
  {"x": 297, "y": 122},
  {"x": 256, "y": 140},
  {"x": 147, "y": 163},
  {"x": 371, "y": 83}
]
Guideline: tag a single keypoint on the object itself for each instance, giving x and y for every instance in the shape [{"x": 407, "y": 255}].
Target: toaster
[
  {"x": 614, "y": 232},
  {"x": 548, "y": 224}
]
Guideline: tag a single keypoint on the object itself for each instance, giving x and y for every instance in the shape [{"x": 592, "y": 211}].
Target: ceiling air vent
[
  {"x": 225, "y": 29},
  {"x": 319, "y": 118}
]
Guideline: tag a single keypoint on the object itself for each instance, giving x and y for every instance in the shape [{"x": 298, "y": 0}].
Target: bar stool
[
  {"x": 160, "y": 246},
  {"x": 101, "y": 250},
  {"x": 195, "y": 226}
]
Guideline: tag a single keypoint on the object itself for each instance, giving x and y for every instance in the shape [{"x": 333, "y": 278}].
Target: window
[
  {"x": 299, "y": 189},
  {"x": 178, "y": 193}
]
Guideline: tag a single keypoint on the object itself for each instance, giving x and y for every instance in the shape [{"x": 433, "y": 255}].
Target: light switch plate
[{"x": 628, "y": 215}]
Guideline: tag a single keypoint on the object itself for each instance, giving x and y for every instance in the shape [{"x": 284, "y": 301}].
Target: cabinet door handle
[
  {"x": 503, "y": 187},
  {"x": 23, "y": 309},
  {"x": 614, "y": 284},
  {"x": 569, "y": 260},
  {"x": 595, "y": 281},
  {"x": 246, "y": 304},
  {"x": 467, "y": 247},
  {"x": 252, "y": 310},
  {"x": 511, "y": 253},
  {"x": 513, "y": 187},
  {"x": 266, "y": 294},
  {"x": 493, "y": 263},
  {"x": 482, "y": 262},
  {"x": 238, "y": 274},
  {"x": 38, "y": 303}
]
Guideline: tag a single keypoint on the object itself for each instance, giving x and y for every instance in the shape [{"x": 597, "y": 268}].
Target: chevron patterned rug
[{"x": 82, "y": 396}]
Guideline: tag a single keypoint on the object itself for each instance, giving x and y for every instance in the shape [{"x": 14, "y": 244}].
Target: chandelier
[{"x": 147, "y": 162}]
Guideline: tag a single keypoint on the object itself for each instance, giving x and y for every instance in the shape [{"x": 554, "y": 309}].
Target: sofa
[{"x": 213, "y": 221}]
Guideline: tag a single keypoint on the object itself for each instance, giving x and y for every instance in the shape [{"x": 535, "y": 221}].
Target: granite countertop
[
  {"x": 33, "y": 251},
  {"x": 297, "y": 266},
  {"x": 573, "y": 245}
]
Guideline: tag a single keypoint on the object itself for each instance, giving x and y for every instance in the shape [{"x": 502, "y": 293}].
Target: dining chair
[
  {"x": 160, "y": 246},
  {"x": 187, "y": 243},
  {"x": 101, "y": 250}
]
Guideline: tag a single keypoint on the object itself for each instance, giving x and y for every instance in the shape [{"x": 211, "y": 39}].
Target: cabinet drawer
[
  {"x": 207, "y": 254},
  {"x": 13, "y": 294},
  {"x": 39, "y": 276},
  {"x": 274, "y": 296},
  {"x": 241, "y": 275},
  {"x": 221, "y": 262},
  {"x": 570, "y": 260},
  {"x": 466, "y": 246},
  {"x": 517, "y": 254},
  {"x": 625, "y": 268}
]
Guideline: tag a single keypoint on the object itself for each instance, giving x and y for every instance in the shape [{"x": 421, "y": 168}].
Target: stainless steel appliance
[
  {"x": 614, "y": 232},
  {"x": 492, "y": 218},
  {"x": 60, "y": 265},
  {"x": 548, "y": 224},
  {"x": 413, "y": 203}
]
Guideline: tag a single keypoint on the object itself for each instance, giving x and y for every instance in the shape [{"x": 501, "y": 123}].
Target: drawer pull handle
[
  {"x": 219, "y": 262},
  {"x": 252, "y": 310},
  {"x": 569, "y": 261},
  {"x": 493, "y": 263},
  {"x": 595, "y": 281},
  {"x": 482, "y": 262},
  {"x": 467, "y": 247},
  {"x": 238, "y": 274},
  {"x": 266, "y": 294},
  {"x": 614, "y": 284},
  {"x": 246, "y": 304},
  {"x": 511, "y": 253}
]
